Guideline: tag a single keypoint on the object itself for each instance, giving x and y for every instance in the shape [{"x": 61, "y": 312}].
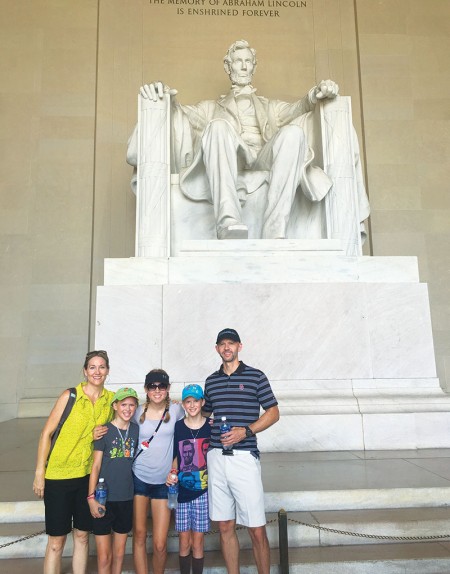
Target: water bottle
[
  {"x": 101, "y": 494},
  {"x": 172, "y": 492},
  {"x": 225, "y": 427}
]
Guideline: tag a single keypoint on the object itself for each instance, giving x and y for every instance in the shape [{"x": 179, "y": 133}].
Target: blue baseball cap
[{"x": 194, "y": 391}]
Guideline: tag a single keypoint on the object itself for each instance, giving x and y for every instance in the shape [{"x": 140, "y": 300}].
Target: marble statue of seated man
[{"x": 215, "y": 142}]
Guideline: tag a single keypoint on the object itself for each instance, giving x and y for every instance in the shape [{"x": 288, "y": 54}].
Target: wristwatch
[{"x": 248, "y": 432}]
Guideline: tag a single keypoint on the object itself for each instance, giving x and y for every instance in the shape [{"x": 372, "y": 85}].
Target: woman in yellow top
[{"x": 64, "y": 482}]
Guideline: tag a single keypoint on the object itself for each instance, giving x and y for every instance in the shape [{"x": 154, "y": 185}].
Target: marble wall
[
  {"x": 346, "y": 342},
  {"x": 47, "y": 94},
  {"x": 68, "y": 103},
  {"x": 405, "y": 81}
]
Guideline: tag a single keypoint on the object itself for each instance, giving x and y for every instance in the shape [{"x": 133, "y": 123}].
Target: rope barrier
[
  {"x": 307, "y": 524},
  {"x": 22, "y": 539},
  {"x": 365, "y": 535}
]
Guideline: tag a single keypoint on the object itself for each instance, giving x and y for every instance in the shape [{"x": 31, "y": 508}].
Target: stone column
[
  {"x": 341, "y": 202},
  {"x": 153, "y": 178}
]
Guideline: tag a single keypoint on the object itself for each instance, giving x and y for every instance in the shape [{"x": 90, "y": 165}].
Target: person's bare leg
[
  {"x": 261, "y": 549},
  {"x": 80, "y": 551},
  {"x": 198, "y": 559},
  {"x": 184, "y": 555},
  {"x": 161, "y": 521},
  {"x": 53, "y": 554},
  {"x": 185, "y": 542},
  {"x": 118, "y": 552},
  {"x": 140, "y": 512},
  {"x": 104, "y": 553},
  {"x": 230, "y": 545},
  {"x": 198, "y": 539}
]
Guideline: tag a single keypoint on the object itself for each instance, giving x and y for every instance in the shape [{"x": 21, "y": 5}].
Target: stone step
[
  {"x": 305, "y": 529},
  {"x": 358, "y": 498},
  {"x": 424, "y": 558},
  {"x": 29, "y": 541},
  {"x": 387, "y": 526},
  {"x": 290, "y": 500},
  {"x": 213, "y": 564}
]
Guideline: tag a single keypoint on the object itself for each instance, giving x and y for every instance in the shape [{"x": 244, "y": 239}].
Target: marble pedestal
[{"x": 345, "y": 341}]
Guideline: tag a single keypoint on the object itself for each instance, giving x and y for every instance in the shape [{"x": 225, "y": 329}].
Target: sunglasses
[
  {"x": 91, "y": 354},
  {"x": 154, "y": 386}
]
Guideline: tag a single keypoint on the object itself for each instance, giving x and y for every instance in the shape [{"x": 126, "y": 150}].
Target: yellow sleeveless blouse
[{"x": 72, "y": 454}]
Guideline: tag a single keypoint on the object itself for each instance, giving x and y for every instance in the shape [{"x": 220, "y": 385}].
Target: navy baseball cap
[
  {"x": 228, "y": 334},
  {"x": 156, "y": 376}
]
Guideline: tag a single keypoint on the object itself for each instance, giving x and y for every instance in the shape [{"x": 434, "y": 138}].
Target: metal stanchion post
[{"x": 283, "y": 541}]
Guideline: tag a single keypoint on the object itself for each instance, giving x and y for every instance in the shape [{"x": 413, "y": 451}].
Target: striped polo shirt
[{"x": 239, "y": 398}]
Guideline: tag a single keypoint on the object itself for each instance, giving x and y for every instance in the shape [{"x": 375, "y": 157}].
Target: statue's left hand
[{"x": 326, "y": 89}]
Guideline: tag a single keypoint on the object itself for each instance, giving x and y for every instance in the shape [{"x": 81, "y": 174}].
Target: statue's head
[{"x": 240, "y": 63}]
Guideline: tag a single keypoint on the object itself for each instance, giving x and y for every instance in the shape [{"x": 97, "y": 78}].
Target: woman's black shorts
[{"x": 66, "y": 504}]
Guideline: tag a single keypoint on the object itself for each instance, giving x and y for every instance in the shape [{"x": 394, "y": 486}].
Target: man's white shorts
[{"x": 235, "y": 489}]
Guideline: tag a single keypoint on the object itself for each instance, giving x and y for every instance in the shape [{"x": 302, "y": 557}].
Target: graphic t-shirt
[
  {"x": 119, "y": 448},
  {"x": 190, "y": 447}
]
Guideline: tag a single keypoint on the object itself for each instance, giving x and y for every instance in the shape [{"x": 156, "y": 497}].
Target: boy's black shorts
[{"x": 118, "y": 518}]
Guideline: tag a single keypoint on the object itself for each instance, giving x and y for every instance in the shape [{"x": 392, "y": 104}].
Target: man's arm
[{"x": 266, "y": 420}]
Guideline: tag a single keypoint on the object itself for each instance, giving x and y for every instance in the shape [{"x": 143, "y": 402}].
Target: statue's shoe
[{"x": 238, "y": 231}]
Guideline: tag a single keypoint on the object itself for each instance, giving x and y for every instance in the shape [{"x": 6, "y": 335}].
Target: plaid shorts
[{"x": 193, "y": 515}]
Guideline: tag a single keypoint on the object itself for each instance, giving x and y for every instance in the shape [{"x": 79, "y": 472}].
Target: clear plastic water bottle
[
  {"x": 172, "y": 492},
  {"x": 225, "y": 427},
  {"x": 101, "y": 494}
]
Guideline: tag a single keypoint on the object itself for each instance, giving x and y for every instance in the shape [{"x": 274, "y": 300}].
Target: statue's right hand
[{"x": 155, "y": 91}]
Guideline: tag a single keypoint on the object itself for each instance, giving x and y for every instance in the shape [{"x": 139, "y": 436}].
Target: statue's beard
[{"x": 239, "y": 80}]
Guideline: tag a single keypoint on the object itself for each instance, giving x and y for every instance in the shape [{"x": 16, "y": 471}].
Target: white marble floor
[
  {"x": 323, "y": 480},
  {"x": 282, "y": 472}
]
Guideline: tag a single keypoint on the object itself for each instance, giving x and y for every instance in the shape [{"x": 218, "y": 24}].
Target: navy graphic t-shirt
[{"x": 190, "y": 447}]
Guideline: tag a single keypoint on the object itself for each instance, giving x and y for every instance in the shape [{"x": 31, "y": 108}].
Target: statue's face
[{"x": 241, "y": 67}]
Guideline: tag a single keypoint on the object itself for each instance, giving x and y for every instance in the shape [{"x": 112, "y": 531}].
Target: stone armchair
[{"x": 165, "y": 218}]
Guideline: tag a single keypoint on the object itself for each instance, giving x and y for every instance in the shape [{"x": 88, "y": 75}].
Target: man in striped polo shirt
[{"x": 235, "y": 489}]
